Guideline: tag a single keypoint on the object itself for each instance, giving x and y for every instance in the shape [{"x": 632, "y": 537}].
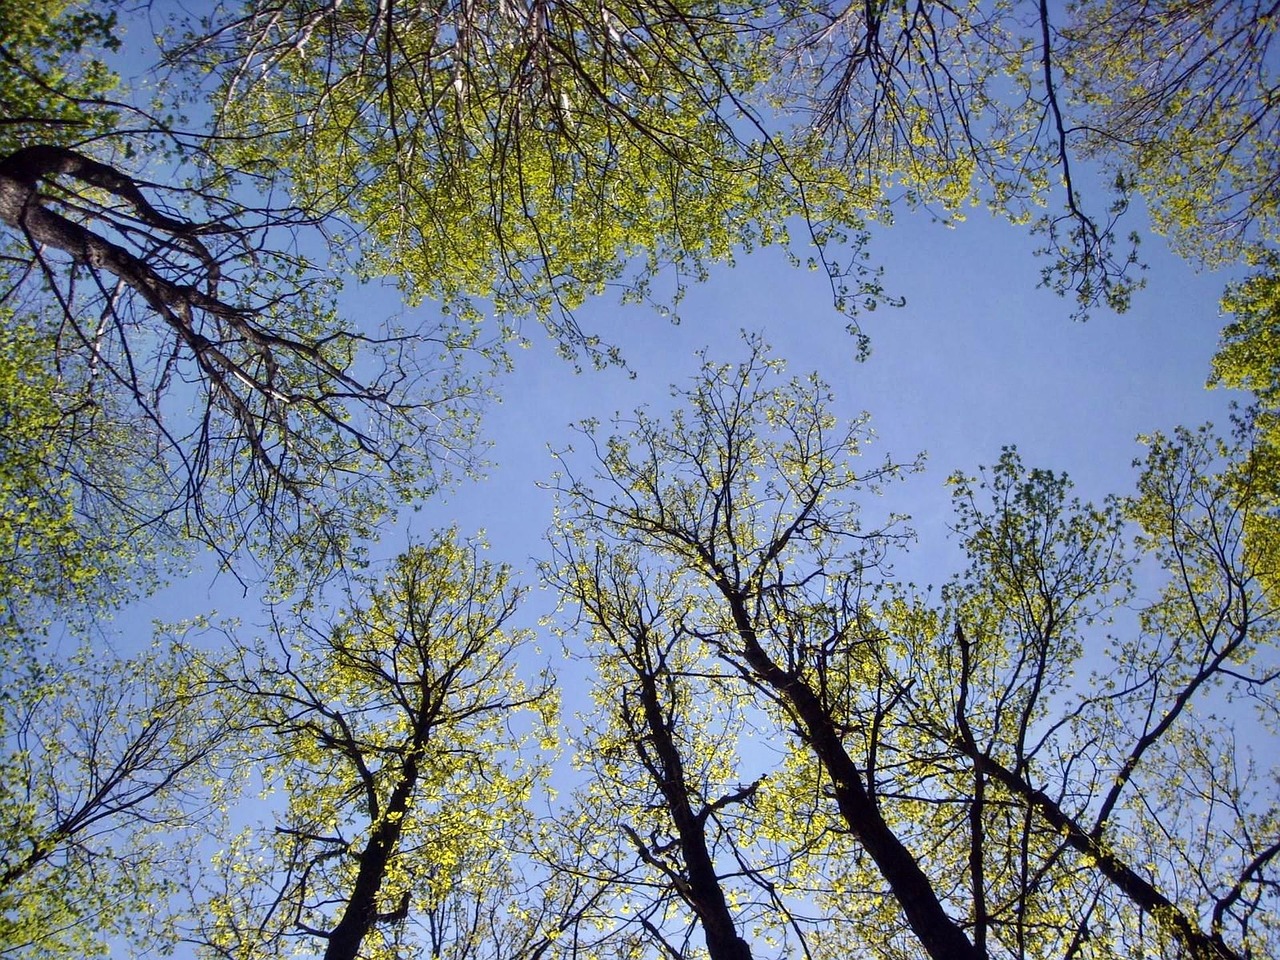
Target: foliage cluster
[{"x": 788, "y": 751}]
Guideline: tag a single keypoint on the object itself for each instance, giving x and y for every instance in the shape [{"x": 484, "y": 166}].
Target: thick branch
[
  {"x": 1137, "y": 888},
  {"x": 940, "y": 935}
]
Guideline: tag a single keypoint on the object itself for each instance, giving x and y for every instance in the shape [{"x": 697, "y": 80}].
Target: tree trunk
[{"x": 940, "y": 935}]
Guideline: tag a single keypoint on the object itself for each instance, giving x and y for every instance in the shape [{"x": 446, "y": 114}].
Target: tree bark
[
  {"x": 361, "y": 912},
  {"x": 22, "y": 209},
  {"x": 940, "y": 935},
  {"x": 703, "y": 891}
]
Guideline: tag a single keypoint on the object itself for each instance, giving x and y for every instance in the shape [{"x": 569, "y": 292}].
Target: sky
[{"x": 978, "y": 358}]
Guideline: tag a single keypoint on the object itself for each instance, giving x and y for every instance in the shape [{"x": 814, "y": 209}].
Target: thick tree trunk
[
  {"x": 703, "y": 892},
  {"x": 940, "y": 935},
  {"x": 361, "y": 913}
]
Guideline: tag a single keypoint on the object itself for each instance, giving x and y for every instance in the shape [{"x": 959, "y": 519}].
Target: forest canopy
[{"x": 736, "y": 731}]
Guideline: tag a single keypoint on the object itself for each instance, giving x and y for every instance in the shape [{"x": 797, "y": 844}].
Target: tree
[
  {"x": 1145, "y": 725},
  {"x": 174, "y": 363},
  {"x": 1181, "y": 103},
  {"x": 258, "y": 417},
  {"x": 69, "y": 546},
  {"x": 1248, "y": 358},
  {"x": 568, "y": 140},
  {"x": 65, "y": 543},
  {"x": 105, "y": 763},
  {"x": 661, "y": 754},
  {"x": 962, "y": 778},
  {"x": 1009, "y": 103},
  {"x": 950, "y": 105},
  {"x": 527, "y": 155},
  {"x": 394, "y": 735},
  {"x": 53, "y": 71}
]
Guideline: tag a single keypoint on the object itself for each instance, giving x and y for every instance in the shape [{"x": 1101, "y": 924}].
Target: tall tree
[
  {"x": 104, "y": 764},
  {"x": 1248, "y": 358},
  {"x": 1181, "y": 103},
  {"x": 570, "y": 139},
  {"x": 74, "y": 544},
  {"x": 973, "y": 788},
  {"x": 663, "y": 773},
  {"x": 394, "y": 735},
  {"x": 74, "y": 496},
  {"x": 1111, "y": 772},
  {"x": 183, "y": 305},
  {"x": 527, "y": 154},
  {"x": 733, "y": 495}
]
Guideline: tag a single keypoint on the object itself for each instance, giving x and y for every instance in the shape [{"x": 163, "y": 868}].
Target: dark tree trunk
[
  {"x": 704, "y": 892},
  {"x": 940, "y": 935},
  {"x": 361, "y": 913}
]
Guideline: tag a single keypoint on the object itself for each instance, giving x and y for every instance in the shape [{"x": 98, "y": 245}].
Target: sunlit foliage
[
  {"x": 787, "y": 752},
  {"x": 397, "y": 737}
]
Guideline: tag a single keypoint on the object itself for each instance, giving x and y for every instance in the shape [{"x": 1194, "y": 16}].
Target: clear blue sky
[{"x": 977, "y": 359}]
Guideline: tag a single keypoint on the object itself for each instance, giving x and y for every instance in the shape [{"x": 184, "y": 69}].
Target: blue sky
[{"x": 978, "y": 358}]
